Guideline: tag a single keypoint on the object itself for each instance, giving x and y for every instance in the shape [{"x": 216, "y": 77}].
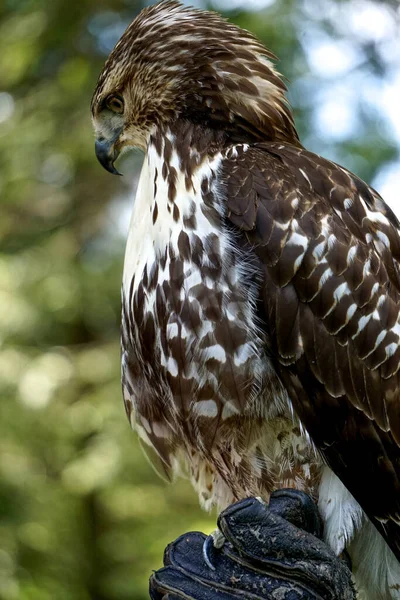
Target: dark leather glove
[{"x": 270, "y": 552}]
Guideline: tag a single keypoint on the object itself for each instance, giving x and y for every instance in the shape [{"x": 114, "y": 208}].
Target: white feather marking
[
  {"x": 205, "y": 408},
  {"x": 381, "y": 300},
  {"x": 396, "y": 329},
  {"x": 332, "y": 241},
  {"x": 172, "y": 366},
  {"x": 126, "y": 394},
  {"x": 242, "y": 354},
  {"x": 374, "y": 289},
  {"x": 298, "y": 262},
  {"x": 383, "y": 238},
  {"x": 319, "y": 250},
  {"x": 351, "y": 255},
  {"x": 140, "y": 431},
  {"x": 348, "y": 203},
  {"x": 216, "y": 352},
  {"x": 185, "y": 332},
  {"x": 380, "y": 338},
  {"x": 324, "y": 277},
  {"x": 374, "y": 216},
  {"x": 306, "y": 177},
  {"x": 390, "y": 349},
  {"x": 376, "y": 316},
  {"x": 341, "y": 291},
  {"x": 192, "y": 279},
  {"x": 231, "y": 315},
  {"x": 350, "y": 312},
  {"x": 362, "y": 322},
  {"x": 145, "y": 424},
  {"x": 229, "y": 410},
  {"x": 172, "y": 330},
  {"x": 161, "y": 430},
  {"x": 282, "y": 226},
  {"x": 296, "y": 239}
]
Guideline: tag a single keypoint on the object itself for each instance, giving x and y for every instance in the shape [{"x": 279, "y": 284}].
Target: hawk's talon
[
  {"x": 206, "y": 551},
  {"x": 214, "y": 541}
]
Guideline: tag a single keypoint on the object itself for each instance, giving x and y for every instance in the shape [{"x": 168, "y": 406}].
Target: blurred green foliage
[{"x": 82, "y": 514}]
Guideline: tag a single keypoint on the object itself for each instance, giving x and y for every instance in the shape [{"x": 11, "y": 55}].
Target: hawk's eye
[{"x": 115, "y": 103}]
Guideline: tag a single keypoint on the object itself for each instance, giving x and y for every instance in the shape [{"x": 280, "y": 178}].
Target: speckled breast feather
[{"x": 197, "y": 382}]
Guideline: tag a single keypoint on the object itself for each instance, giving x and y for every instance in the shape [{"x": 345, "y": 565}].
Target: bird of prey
[{"x": 261, "y": 288}]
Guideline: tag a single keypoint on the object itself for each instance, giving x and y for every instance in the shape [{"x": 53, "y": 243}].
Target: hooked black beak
[{"x": 106, "y": 155}]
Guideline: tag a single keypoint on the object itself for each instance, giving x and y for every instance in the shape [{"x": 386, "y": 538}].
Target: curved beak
[{"x": 106, "y": 155}]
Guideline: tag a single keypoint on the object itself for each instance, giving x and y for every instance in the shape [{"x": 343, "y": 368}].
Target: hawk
[{"x": 261, "y": 288}]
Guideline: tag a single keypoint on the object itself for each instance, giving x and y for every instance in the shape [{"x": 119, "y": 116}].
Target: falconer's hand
[{"x": 259, "y": 552}]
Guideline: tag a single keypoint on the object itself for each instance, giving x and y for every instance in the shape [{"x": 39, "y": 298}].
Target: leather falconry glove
[{"x": 269, "y": 552}]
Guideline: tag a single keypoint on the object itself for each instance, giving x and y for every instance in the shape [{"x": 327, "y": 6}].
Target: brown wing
[{"x": 329, "y": 247}]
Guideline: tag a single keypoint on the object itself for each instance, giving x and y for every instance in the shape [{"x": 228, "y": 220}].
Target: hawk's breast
[
  {"x": 189, "y": 294},
  {"x": 196, "y": 377}
]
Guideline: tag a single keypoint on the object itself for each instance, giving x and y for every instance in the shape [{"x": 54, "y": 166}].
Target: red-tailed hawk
[{"x": 261, "y": 288}]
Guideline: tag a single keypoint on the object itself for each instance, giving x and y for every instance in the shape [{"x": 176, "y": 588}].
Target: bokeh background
[{"x": 82, "y": 514}]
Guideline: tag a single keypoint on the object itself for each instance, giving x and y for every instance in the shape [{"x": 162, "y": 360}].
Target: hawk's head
[{"x": 174, "y": 63}]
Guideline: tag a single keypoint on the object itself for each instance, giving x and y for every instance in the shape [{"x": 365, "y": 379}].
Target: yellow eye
[{"x": 115, "y": 104}]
